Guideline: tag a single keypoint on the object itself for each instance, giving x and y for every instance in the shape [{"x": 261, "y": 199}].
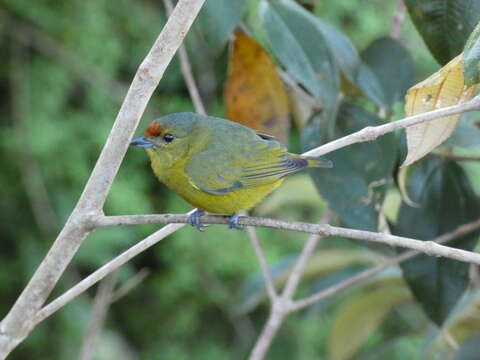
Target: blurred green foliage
[{"x": 64, "y": 69}]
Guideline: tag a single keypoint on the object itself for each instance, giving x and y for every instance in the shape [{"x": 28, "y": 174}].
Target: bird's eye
[{"x": 168, "y": 138}]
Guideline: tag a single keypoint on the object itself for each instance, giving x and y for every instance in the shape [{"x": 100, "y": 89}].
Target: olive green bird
[{"x": 218, "y": 165}]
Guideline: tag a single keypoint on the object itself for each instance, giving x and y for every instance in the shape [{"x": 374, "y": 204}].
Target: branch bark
[
  {"x": 370, "y": 133},
  {"x": 462, "y": 230},
  {"x": 427, "y": 247},
  {"x": 19, "y": 321},
  {"x": 97, "y": 318}
]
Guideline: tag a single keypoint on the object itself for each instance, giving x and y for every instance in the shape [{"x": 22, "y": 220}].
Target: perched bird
[{"x": 218, "y": 165}]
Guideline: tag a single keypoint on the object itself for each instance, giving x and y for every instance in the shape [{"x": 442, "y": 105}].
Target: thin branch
[
  {"x": 129, "y": 285},
  {"x": 281, "y": 306},
  {"x": 186, "y": 69},
  {"x": 370, "y": 133},
  {"x": 20, "y": 319},
  {"x": 428, "y": 247},
  {"x": 302, "y": 261},
  {"x": 366, "y": 274},
  {"x": 97, "y": 317},
  {"x": 398, "y": 19},
  {"x": 275, "y": 320},
  {"x": 267, "y": 277},
  {"x": 103, "y": 271}
]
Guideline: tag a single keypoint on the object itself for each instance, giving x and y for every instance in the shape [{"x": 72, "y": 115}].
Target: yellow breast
[{"x": 232, "y": 202}]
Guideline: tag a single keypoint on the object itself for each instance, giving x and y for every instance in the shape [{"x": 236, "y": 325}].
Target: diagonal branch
[
  {"x": 362, "y": 276},
  {"x": 20, "y": 319},
  {"x": 97, "y": 317},
  {"x": 370, "y": 133},
  {"x": 267, "y": 277}
]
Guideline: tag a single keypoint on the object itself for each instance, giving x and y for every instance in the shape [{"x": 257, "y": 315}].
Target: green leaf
[
  {"x": 446, "y": 200},
  {"x": 217, "y": 20},
  {"x": 393, "y": 67},
  {"x": 361, "y": 316},
  {"x": 444, "y": 25},
  {"x": 356, "y": 185},
  {"x": 370, "y": 86},
  {"x": 344, "y": 52},
  {"x": 471, "y": 58},
  {"x": 298, "y": 44}
]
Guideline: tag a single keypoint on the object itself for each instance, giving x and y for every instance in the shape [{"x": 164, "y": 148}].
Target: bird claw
[
  {"x": 233, "y": 224},
  {"x": 195, "y": 221}
]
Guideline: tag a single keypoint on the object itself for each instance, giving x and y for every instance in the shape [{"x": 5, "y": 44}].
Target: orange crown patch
[{"x": 154, "y": 130}]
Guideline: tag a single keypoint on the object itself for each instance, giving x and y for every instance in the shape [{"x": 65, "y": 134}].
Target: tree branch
[
  {"x": 428, "y": 247},
  {"x": 370, "y": 133},
  {"x": 362, "y": 276},
  {"x": 186, "y": 69},
  {"x": 97, "y": 317},
  {"x": 281, "y": 306},
  {"x": 19, "y": 321},
  {"x": 267, "y": 277},
  {"x": 103, "y": 271}
]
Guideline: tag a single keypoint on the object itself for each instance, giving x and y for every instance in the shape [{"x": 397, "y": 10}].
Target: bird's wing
[{"x": 220, "y": 170}]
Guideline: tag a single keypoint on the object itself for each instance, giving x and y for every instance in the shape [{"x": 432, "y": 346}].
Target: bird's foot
[
  {"x": 233, "y": 224},
  {"x": 195, "y": 221}
]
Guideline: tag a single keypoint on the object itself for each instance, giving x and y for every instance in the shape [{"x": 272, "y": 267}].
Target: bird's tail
[{"x": 318, "y": 162}]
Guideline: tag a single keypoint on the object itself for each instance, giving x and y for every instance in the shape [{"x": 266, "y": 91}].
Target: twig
[
  {"x": 103, "y": 271},
  {"x": 129, "y": 285},
  {"x": 186, "y": 69},
  {"x": 398, "y": 19},
  {"x": 281, "y": 306},
  {"x": 21, "y": 318},
  {"x": 362, "y": 276},
  {"x": 97, "y": 318},
  {"x": 267, "y": 277},
  {"x": 370, "y": 133},
  {"x": 305, "y": 255}
]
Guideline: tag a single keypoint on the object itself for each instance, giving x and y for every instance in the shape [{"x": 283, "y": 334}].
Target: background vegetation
[{"x": 64, "y": 70}]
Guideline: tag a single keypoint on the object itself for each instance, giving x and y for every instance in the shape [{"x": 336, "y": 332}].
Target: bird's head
[{"x": 168, "y": 139}]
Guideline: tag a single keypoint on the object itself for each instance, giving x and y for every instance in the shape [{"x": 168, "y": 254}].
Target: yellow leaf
[
  {"x": 444, "y": 88},
  {"x": 361, "y": 316},
  {"x": 254, "y": 93}
]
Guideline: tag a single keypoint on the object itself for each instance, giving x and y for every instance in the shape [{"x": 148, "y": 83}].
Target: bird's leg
[
  {"x": 195, "y": 221},
  {"x": 233, "y": 224}
]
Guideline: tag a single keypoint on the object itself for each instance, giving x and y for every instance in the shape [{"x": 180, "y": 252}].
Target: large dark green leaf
[
  {"x": 444, "y": 24},
  {"x": 446, "y": 200},
  {"x": 370, "y": 86},
  {"x": 344, "y": 52},
  {"x": 471, "y": 58},
  {"x": 393, "y": 67},
  {"x": 355, "y": 186},
  {"x": 218, "y": 18},
  {"x": 297, "y": 42}
]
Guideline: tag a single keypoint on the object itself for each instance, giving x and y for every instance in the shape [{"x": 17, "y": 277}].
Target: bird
[{"x": 217, "y": 165}]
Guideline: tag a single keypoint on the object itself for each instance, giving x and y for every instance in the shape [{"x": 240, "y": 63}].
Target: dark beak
[{"x": 142, "y": 141}]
